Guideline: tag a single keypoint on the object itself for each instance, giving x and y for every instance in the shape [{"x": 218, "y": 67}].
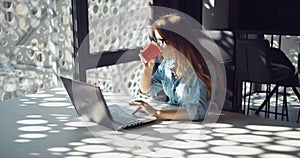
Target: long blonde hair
[{"x": 166, "y": 27}]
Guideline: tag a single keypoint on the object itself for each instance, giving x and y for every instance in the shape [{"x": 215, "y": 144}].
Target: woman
[{"x": 183, "y": 74}]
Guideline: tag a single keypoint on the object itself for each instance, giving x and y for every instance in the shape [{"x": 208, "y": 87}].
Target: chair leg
[
  {"x": 267, "y": 99},
  {"x": 267, "y": 107},
  {"x": 244, "y": 96},
  {"x": 284, "y": 106},
  {"x": 268, "y": 102},
  {"x": 298, "y": 96},
  {"x": 296, "y": 92},
  {"x": 249, "y": 98},
  {"x": 276, "y": 105}
]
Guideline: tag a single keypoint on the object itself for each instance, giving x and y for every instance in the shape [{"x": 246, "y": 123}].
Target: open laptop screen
[{"x": 88, "y": 102}]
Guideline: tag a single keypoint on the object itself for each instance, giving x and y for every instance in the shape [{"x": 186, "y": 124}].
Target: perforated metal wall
[
  {"x": 35, "y": 45},
  {"x": 113, "y": 25},
  {"x": 36, "y": 41},
  {"x": 117, "y": 24}
]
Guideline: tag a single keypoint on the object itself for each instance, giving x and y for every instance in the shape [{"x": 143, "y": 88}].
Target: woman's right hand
[{"x": 149, "y": 65}]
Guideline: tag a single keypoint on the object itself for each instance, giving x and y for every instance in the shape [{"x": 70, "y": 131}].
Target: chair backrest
[
  {"x": 253, "y": 62},
  {"x": 279, "y": 57}
]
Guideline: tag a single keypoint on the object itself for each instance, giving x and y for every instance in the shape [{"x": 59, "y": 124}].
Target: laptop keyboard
[{"x": 121, "y": 117}]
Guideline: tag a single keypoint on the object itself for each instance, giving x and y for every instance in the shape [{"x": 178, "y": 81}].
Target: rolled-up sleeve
[{"x": 156, "y": 81}]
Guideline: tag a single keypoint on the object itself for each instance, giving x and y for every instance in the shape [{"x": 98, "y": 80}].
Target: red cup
[{"x": 149, "y": 52}]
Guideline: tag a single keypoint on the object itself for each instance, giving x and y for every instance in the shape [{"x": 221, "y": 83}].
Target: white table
[{"x": 46, "y": 125}]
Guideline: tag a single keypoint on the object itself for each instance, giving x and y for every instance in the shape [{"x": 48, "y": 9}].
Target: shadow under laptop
[{"x": 150, "y": 136}]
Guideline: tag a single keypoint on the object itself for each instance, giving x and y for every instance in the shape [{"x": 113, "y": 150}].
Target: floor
[{"x": 293, "y": 106}]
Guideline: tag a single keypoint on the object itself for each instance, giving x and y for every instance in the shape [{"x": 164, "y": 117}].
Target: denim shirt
[{"x": 188, "y": 92}]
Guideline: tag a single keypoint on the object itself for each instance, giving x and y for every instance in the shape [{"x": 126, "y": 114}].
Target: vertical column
[
  {"x": 298, "y": 62},
  {"x": 80, "y": 29}
]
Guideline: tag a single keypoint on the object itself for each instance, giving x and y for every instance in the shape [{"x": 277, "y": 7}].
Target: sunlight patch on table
[
  {"x": 80, "y": 124},
  {"x": 218, "y": 125},
  {"x": 34, "y": 116},
  {"x": 69, "y": 128},
  {"x": 231, "y": 130},
  {"x": 198, "y": 137},
  {"x": 114, "y": 154},
  {"x": 289, "y": 134},
  {"x": 277, "y": 155},
  {"x": 208, "y": 156},
  {"x": 248, "y": 138},
  {"x": 93, "y": 148},
  {"x": 294, "y": 143},
  {"x": 197, "y": 151},
  {"x": 236, "y": 150},
  {"x": 94, "y": 140},
  {"x": 32, "y": 121},
  {"x": 76, "y": 143},
  {"x": 22, "y": 140},
  {"x": 138, "y": 144},
  {"x": 34, "y": 128},
  {"x": 262, "y": 133},
  {"x": 160, "y": 152},
  {"x": 281, "y": 148},
  {"x": 54, "y": 131},
  {"x": 222, "y": 143},
  {"x": 267, "y": 128},
  {"x": 183, "y": 144},
  {"x": 59, "y": 149},
  {"x": 39, "y": 95},
  {"x": 166, "y": 130},
  {"x": 33, "y": 135}
]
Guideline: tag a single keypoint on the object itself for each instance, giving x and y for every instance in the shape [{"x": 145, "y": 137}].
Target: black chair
[
  {"x": 252, "y": 65},
  {"x": 280, "y": 70},
  {"x": 285, "y": 76}
]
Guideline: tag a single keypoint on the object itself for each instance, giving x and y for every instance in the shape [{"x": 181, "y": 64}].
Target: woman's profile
[{"x": 182, "y": 75}]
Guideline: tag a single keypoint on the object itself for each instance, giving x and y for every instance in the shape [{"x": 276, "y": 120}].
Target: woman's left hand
[{"x": 145, "y": 107}]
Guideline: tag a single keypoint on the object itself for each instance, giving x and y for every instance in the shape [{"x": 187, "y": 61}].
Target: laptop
[{"x": 89, "y": 103}]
